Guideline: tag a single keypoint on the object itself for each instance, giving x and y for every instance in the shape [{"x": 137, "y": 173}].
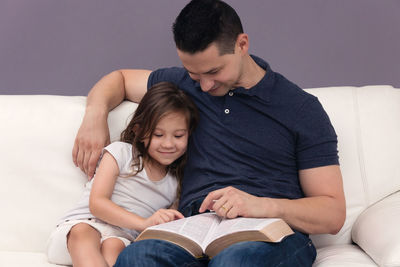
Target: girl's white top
[{"x": 137, "y": 194}]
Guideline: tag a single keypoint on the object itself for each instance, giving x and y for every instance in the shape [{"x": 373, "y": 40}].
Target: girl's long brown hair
[{"x": 160, "y": 100}]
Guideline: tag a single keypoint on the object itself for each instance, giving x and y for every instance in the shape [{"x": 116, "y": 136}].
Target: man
[{"x": 263, "y": 147}]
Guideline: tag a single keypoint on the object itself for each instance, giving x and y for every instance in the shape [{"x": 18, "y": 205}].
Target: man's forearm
[
  {"x": 312, "y": 215},
  {"x": 93, "y": 134},
  {"x": 106, "y": 94}
]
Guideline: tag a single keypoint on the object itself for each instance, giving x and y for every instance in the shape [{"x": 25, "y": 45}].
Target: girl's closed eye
[{"x": 180, "y": 134}]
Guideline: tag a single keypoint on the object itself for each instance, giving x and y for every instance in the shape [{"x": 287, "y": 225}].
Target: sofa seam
[{"x": 360, "y": 143}]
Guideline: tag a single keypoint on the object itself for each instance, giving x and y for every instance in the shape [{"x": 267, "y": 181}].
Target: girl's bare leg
[
  {"x": 84, "y": 246},
  {"x": 110, "y": 248}
]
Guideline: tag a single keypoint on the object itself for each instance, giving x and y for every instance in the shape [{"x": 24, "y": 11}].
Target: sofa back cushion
[
  {"x": 39, "y": 181},
  {"x": 366, "y": 120}
]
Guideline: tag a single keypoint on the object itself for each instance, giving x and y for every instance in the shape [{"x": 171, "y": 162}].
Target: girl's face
[{"x": 169, "y": 140}]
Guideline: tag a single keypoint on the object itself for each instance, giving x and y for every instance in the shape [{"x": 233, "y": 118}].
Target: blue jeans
[{"x": 295, "y": 250}]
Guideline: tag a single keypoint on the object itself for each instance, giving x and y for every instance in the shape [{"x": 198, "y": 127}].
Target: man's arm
[
  {"x": 322, "y": 210},
  {"x": 106, "y": 94}
]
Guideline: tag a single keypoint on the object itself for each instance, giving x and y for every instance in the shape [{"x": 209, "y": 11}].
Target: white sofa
[{"x": 39, "y": 182}]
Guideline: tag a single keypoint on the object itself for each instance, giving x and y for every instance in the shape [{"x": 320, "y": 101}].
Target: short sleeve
[
  {"x": 122, "y": 153},
  {"x": 174, "y": 75},
  {"x": 316, "y": 144}
]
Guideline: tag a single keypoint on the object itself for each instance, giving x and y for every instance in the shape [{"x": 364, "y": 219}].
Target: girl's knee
[
  {"x": 112, "y": 244},
  {"x": 81, "y": 232},
  {"x": 111, "y": 248}
]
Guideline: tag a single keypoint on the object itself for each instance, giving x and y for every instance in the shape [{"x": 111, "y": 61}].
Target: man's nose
[{"x": 206, "y": 84}]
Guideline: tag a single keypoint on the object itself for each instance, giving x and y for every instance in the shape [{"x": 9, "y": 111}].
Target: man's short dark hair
[{"x": 202, "y": 22}]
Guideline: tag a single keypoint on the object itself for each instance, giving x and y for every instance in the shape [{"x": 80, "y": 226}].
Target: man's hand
[
  {"x": 230, "y": 202},
  {"x": 92, "y": 137}
]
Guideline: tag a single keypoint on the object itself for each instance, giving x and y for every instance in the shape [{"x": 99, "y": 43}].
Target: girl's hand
[{"x": 162, "y": 216}]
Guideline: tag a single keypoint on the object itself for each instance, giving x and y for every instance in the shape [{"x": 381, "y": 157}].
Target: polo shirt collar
[{"x": 264, "y": 87}]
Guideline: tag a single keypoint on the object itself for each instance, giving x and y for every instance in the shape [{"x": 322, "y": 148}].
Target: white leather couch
[{"x": 39, "y": 182}]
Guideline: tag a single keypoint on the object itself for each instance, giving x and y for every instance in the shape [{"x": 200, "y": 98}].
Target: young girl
[{"x": 135, "y": 183}]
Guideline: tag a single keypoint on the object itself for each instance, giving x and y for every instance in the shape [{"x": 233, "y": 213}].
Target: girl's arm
[{"x": 102, "y": 207}]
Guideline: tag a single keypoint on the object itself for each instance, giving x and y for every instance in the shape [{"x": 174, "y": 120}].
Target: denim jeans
[{"x": 295, "y": 250}]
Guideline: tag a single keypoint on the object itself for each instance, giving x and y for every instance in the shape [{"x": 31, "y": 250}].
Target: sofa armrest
[{"x": 377, "y": 231}]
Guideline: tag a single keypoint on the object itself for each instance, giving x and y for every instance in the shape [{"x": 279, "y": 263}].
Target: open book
[{"x": 208, "y": 233}]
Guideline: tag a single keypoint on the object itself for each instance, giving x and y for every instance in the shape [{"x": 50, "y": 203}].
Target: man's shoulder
[
  {"x": 289, "y": 92},
  {"x": 170, "y": 70},
  {"x": 281, "y": 87},
  {"x": 176, "y": 75}
]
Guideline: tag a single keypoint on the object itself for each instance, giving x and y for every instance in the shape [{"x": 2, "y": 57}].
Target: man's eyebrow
[
  {"x": 207, "y": 72},
  {"x": 187, "y": 70},
  {"x": 212, "y": 70}
]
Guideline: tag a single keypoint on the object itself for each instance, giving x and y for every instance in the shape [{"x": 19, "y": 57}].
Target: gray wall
[{"x": 64, "y": 46}]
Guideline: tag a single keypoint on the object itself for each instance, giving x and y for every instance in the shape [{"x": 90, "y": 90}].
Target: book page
[
  {"x": 196, "y": 227},
  {"x": 228, "y": 226}
]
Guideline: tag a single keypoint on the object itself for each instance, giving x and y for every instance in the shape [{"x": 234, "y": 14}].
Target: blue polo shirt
[{"x": 253, "y": 139}]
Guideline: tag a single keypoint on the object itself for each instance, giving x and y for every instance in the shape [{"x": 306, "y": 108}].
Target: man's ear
[{"x": 242, "y": 43}]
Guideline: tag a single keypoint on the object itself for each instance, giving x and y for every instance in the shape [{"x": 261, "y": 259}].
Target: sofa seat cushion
[
  {"x": 18, "y": 259},
  {"x": 343, "y": 256}
]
